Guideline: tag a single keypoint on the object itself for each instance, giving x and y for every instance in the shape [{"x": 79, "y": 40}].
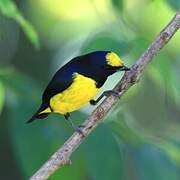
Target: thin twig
[{"x": 62, "y": 156}]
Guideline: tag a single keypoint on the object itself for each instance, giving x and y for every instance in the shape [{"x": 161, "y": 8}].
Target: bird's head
[
  {"x": 113, "y": 61},
  {"x": 109, "y": 61}
]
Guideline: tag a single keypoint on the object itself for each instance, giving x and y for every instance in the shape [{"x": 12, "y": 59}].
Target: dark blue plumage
[{"x": 93, "y": 65}]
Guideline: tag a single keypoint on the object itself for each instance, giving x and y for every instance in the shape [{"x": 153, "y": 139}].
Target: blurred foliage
[
  {"x": 9, "y": 9},
  {"x": 1, "y": 96},
  {"x": 139, "y": 139},
  {"x": 175, "y": 4}
]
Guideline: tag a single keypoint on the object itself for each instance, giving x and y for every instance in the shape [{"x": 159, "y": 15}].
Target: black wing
[
  {"x": 61, "y": 81},
  {"x": 55, "y": 87}
]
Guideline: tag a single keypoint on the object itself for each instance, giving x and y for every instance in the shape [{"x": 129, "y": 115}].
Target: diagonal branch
[{"x": 61, "y": 157}]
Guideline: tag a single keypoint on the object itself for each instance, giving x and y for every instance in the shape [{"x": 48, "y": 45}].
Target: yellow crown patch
[{"x": 113, "y": 59}]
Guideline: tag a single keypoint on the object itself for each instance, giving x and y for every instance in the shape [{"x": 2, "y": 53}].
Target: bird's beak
[{"x": 123, "y": 68}]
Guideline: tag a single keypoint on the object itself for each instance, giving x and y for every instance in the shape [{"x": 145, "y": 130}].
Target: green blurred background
[{"x": 139, "y": 139}]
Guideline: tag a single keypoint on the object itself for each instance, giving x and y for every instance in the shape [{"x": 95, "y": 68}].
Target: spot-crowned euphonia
[{"x": 77, "y": 82}]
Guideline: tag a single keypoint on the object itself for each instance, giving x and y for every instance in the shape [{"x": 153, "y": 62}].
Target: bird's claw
[{"x": 92, "y": 102}]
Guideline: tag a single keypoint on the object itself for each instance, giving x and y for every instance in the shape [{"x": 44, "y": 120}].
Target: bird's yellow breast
[{"x": 81, "y": 91}]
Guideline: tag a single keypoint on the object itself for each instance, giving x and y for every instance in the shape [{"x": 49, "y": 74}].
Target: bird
[{"x": 77, "y": 83}]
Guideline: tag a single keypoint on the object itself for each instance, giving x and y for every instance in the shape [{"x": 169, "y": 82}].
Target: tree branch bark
[{"x": 61, "y": 157}]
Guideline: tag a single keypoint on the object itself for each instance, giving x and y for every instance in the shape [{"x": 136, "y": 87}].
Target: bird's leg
[
  {"x": 105, "y": 93},
  {"x": 76, "y": 128}
]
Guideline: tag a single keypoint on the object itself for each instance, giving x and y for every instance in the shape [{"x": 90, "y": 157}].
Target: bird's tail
[{"x": 41, "y": 113}]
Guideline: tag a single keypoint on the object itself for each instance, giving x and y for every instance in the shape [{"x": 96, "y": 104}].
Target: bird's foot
[
  {"x": 105, "y": 93},
  {"x": 92, "y": 102}
]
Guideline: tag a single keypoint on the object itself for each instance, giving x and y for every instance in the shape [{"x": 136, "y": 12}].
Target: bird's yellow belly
[{"x": 81, "y": 91}]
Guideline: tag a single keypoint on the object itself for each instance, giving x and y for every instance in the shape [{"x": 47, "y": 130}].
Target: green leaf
[{"x": 9, "y": 9}]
